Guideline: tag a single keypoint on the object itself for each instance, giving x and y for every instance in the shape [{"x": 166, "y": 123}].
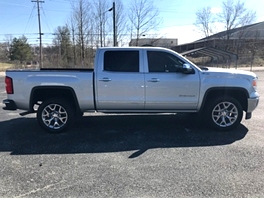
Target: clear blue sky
[{"x": 19, "y": 17}]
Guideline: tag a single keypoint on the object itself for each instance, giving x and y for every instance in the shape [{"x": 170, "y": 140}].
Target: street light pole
[{"x": 114, "y": 24}]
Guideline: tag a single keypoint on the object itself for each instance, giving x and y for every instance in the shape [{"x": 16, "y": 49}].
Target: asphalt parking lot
[{"x": 131, "y": 156}]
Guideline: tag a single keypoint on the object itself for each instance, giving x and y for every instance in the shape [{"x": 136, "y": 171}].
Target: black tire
[
  {"x": 224, "y": 113},
  {"x": 55, "y": 115}
]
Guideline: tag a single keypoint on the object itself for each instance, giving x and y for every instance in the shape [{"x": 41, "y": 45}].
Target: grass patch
[{"x": 5, "y": 66}]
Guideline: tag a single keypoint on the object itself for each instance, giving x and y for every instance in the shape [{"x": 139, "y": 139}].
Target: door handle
[
  {"x": 105, "y": 79},
  {"x": 154, "y": 80}
]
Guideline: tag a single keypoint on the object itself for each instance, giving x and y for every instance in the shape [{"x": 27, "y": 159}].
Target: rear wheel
[
  {"x": 55, "y": 115},
  {"x": 224, "y": 113}
]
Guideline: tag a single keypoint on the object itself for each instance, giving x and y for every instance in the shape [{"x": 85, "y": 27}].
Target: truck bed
[{"x": 80, "y": 81}]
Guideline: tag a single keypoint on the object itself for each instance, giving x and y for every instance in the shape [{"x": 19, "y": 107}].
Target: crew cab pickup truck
[{"x": 133, "y": 80}]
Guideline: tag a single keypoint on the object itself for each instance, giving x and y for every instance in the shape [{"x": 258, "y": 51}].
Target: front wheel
[
  {"x": 224, "y": 113},
  {"x": 55, "y": 115}
]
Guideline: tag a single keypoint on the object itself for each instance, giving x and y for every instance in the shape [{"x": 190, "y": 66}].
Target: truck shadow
[{"x": 113, "y": 133}]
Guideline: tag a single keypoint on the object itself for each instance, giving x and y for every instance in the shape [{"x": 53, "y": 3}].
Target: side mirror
[{"x": 187, "y": 69}]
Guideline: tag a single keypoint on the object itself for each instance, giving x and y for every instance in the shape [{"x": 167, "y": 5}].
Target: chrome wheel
[
  {"x": 54, "y": 116},
  {"x": 225, "y": 114}
]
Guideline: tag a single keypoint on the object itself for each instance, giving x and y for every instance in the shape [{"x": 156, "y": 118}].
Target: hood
[{"x": 223, "y": 71}]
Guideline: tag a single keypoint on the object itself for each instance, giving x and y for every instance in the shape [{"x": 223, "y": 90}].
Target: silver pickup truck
[{"x": 133, "y": 80}]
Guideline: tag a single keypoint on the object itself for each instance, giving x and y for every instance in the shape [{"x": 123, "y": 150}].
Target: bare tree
[
  {"x": 81, "y": 21},
  {"x": 101, "y": 7},
  {"x": 121, "y": 22},
  {"x": 233, "y": 15},
  {"x": 6, "y": 46},
  {"x": 204, "y": 20},
  {"x": 73, "y": 32},
  {"x": 63, "y": 42},
  {"x": 143, "y": 16},
  {"x": 8, "y": 40}
]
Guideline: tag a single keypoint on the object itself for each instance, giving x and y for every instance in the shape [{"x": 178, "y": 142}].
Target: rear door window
[{"x": 121, "y": 61}]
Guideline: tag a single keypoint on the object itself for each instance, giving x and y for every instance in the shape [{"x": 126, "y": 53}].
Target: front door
[{"x": 167, "y": 88}]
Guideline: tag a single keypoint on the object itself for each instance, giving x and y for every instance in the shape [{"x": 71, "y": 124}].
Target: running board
[{"x": 26, "y": 113}]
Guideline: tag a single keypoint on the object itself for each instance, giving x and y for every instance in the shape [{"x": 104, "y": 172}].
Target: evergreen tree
[{"x": 20, "y": 50}]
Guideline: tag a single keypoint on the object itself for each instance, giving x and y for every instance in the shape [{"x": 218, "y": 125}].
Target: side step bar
[{"x": 27, "y": 112}]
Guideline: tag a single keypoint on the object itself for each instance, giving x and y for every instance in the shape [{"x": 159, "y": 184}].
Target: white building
[{"x": 155, "y": 42}]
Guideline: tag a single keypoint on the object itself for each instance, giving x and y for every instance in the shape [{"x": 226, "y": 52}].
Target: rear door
[
  {"x": 167, "y": 88},
  {"x": 120, "y": 82}
]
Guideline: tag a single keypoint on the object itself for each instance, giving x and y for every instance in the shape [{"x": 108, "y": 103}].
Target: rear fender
[{"x": 41, "y": 93}]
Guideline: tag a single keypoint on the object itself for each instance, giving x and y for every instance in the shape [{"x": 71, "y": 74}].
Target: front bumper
[
  {"x": 9, "y": 105},
  {"x": 252, "y": 104}
]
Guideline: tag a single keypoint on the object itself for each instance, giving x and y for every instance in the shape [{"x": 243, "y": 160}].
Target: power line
[
  {"x": 30, "y": 17},
  {"x": 45, "y": 19}
]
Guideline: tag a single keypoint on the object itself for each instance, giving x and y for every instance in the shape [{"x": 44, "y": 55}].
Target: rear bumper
[{"x": 9, "y": 105}]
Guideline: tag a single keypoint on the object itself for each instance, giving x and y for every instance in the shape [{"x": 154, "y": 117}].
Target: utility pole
[{"x": 40, "y": 33}]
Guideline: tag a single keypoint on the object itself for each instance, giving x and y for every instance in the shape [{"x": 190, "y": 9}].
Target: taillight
[{"x": 9, "y": 85}]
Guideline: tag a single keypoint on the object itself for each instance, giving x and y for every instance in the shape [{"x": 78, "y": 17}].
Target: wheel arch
[
  {"x": 42, "y": 93},
  {"x": 240, "y": 94}
]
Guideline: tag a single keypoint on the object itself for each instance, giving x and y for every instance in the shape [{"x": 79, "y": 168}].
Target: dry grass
[{"x": 5, "y": 66}]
